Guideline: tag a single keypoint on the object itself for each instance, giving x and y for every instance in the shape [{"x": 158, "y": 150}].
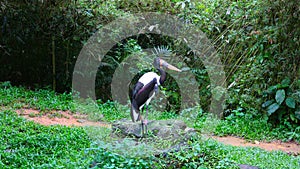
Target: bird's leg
[
  {"x": 145, "y": 121},
  {"x": 142, "y": 129},
  {"x": 142, "y": 126}
]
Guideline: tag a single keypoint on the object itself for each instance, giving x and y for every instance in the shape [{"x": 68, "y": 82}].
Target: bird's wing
[
  {"x": 142, "y": 94},
  {"x": 138, "y": 86}
]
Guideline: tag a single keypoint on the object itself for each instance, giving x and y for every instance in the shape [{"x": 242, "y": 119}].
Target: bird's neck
[{"x": 163, "y": 75}]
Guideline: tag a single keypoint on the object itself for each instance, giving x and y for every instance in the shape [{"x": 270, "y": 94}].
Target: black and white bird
[{"x": 147, "y": 86}]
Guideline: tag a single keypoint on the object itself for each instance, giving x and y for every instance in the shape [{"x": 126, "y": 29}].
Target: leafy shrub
[{"x": 283, "y": 103}]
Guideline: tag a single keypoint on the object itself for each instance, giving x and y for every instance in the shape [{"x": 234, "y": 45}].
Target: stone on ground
[{"x": 165, "y": 129}]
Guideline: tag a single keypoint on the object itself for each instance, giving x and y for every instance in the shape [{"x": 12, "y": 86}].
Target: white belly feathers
[{"x": 148, "y": 77}]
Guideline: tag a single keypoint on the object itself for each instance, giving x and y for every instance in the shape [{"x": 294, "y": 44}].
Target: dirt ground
[
  {"x": 65, "y": 118},
  {"x": 291, "y": 148},
  {"x": 70, "y": 119}
]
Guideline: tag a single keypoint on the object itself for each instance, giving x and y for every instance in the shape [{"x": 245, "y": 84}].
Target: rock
[
  {"x": 127, "y": 128},
  {"x": 174, "y": 133},
  {"x": 165, "y": 129},
  {"x": 80, "y": 121}
]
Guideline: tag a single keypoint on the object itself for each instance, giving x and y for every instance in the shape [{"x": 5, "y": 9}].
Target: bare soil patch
[
  {"x": 67, "y": 118},
  {"x": 291, "y": 148}
]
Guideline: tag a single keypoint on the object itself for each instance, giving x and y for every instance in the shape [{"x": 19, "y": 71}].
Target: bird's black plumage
[{"x": 141, "y": 93}]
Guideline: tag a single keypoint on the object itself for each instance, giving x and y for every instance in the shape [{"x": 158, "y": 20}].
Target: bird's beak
[{"x": 169, "y": 66}]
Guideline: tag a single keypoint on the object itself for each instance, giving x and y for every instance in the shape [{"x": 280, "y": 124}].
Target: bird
[{"x": 147, "y": 86}]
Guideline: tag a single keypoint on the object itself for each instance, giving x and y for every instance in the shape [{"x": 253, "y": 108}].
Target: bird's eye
[{"x": 156, "y": 62}]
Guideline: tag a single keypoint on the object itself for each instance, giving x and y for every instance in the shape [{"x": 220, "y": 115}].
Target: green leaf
[
  {"x": 283, "y": 86},
  {"x": 290, "y": 102},
  {"x": 76, "y": 38},
  {"x": 286, "y": 81},
  {"x": 272, "y": 108},
  {"x": 185, "y": 69},
  {"x": 272, "y": 89},
  {"x": 298, "y": 83},
  {"x": 297, "y": 114},
  {"x": 280, "y": 96},
  {"x": 293, "y": 117},
  {"x": 267, "y": 103}
]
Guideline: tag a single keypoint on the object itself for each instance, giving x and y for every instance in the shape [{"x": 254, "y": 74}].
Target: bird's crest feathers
[{"x": 162, "y": 51}]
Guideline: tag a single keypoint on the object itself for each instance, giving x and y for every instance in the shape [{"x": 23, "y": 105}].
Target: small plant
[{"x": 32, "y": 114}]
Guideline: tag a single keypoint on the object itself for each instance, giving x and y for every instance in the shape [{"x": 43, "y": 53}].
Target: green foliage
[
  {"x": 258, "y": 157},
  {"x": 250, "y": 43},
  {"x": 105, "y": 159},
  {"x": 203, "y": 154},
  {"x": 113, "y": 111},
  {"x": 28, "y": 145},
  {"x": 255, "y": 128},
  {"x": 263, "y": 57},
  {"x": 247, "y": 126}
]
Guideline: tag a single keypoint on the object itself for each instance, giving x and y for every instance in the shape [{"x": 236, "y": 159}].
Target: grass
[
  {"x": 18, "y": 97},
  {"x": 25, "y": 144}
]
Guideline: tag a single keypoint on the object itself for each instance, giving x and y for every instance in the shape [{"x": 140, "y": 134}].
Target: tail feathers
[{"x": 135, "y": 113}]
